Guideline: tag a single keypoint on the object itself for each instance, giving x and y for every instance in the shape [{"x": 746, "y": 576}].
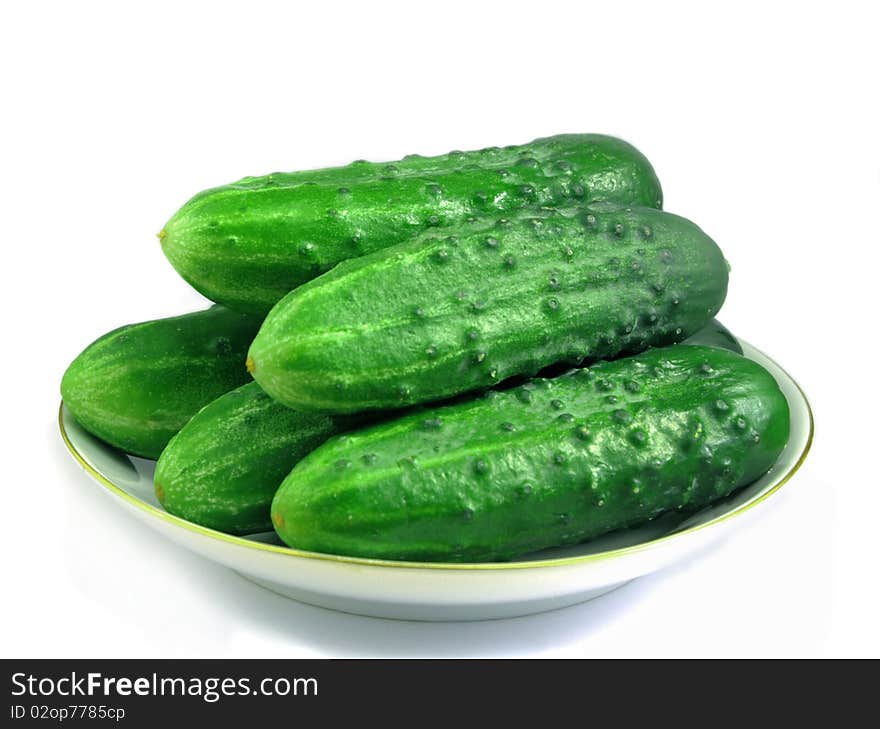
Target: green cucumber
[
  {"x": 223, "y": 468},
  {"x": 441, "y": 314},
  {"x": 553, "y": 462},
  {"x": 136, "y": 386},
  {"x": 247, "y": 244}
]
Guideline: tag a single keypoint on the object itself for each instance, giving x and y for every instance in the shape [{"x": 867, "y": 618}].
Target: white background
[{"x": 761, "y": 120}]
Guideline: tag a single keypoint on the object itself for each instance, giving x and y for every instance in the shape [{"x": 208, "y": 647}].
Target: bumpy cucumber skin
[
  {"x": 136, "y": 386},
  {"x": 715, "y": 334},
  {"x": 441, "y": 315},
  {"x": 554, "y": 462},
  {"x": 223, "y": 467},
  {"x": 247, "y": 244}
]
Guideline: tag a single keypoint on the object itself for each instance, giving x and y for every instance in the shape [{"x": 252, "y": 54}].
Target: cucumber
[
  {"x": 248, "y": 243},
  {"x": 136, "y": 386},
  {"x": 223, "y": 468},
  {"x": 440, "y": 314},
  {"x": 553, "y": 462}
]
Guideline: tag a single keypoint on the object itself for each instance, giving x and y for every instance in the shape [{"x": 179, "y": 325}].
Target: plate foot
[{"x": 436, "y": 612}]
